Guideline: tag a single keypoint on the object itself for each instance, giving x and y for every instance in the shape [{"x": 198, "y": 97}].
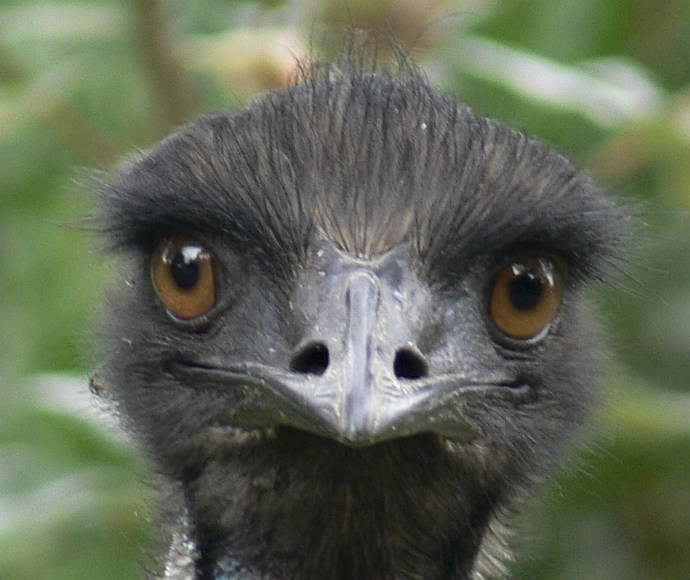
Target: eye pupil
[
  {"x": 185, "y": 271},
  {"x": 526, "y": 290}
]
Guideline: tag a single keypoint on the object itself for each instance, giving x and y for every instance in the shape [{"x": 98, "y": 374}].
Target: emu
[{"x": 352, "y": 330}]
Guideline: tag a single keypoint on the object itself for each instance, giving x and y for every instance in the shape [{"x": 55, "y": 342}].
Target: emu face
[{"x": 352, "y": 329}]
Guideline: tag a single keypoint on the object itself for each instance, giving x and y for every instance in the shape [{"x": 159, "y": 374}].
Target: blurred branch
[{"x": 156, "y": 49}]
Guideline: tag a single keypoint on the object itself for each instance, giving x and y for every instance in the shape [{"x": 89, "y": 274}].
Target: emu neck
[{"x": 299, "y": 507}]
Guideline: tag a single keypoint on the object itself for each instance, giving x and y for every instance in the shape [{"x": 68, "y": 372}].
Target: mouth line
[
  {"x": 360, "y": 415},
  {"x": 257, "y": 374}
]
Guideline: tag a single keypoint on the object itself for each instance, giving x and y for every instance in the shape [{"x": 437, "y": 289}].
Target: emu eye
[
  {"x": 525, "y": 297},
  {"x": 183, "y": 276}
]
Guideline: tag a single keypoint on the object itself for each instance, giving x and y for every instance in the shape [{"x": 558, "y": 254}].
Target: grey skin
[{"x": 347, "y": 408}]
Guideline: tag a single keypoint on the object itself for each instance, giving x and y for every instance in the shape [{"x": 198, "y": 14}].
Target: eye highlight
[
  {"x": 525, "y": 297},
  {"x": 183, "y": 275}
]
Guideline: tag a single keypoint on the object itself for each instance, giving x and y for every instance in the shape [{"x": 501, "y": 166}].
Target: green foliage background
[{"x": 84, "y": 83}]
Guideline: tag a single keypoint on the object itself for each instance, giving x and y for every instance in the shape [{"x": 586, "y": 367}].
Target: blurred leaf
[
  {"x": 70, "y": 492},
  {"x": 610, "y": 92}
]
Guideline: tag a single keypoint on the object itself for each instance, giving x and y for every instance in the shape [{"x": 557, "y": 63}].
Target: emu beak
[{"x": 357, "y": 376}]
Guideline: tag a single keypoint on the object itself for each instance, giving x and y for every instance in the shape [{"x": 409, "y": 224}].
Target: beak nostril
[
  {"x": 311, "y": 359},
  {"x": 409, "y": 364}
]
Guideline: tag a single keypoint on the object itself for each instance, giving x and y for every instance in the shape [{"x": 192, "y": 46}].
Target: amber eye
[
  {"x": 525, "y": 297},
  {"x": 182, "y": 273}
]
